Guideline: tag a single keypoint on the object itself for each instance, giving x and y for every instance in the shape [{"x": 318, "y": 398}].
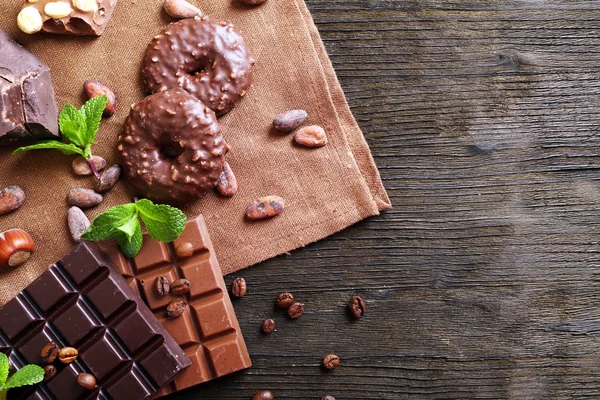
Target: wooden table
[{"x": 484, "y": 280}]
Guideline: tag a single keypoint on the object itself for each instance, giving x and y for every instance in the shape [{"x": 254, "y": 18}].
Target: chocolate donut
[
  {"x": 171, "y": 147},
  {"x": 205, "y": 57}
]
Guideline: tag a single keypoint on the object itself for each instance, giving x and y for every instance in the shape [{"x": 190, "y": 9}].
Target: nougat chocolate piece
[
  {"x": 69, "y": 17},
  {"x": 28, "y": 107}
]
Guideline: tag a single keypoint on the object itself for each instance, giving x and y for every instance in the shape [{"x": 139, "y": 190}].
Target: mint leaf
[
  {"x": 164, "y": 223},
  {"x": 67, "y": 149},
  {"x": 4, "y": 365},
  {"x": 130, "y": 227},
  {"x": 106, "y": 224},
  {"x": 130, "y": 246},
  {"x": 73, "y": 125},
  {"x": 92, "y": 113},
  {"x": 28, "y": 375}
]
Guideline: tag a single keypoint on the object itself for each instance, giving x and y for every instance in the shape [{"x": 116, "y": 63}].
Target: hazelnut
[
  {"x": 30, "y": 20},
  {"x": 181, "y": 9},
  {"x": 16, "y": 247},
  {"x": 85, "y": 5},
  {"x": 58, "y": 9}
]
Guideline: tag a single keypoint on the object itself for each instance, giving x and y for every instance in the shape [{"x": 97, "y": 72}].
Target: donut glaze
[
  {"x": 205, "y": 57},
  {"x": 171, "y": 147}
]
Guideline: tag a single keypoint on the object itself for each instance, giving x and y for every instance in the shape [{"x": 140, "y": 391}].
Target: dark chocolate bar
[
  {"x": 208, "y": 330},
  {"x": 72, "y": 17},
  {"x": 28, "y": 107},
  {"x": 83, "y": 302}
]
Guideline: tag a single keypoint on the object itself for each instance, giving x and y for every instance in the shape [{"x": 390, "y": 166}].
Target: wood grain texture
[{"x": 484, "y": 281}]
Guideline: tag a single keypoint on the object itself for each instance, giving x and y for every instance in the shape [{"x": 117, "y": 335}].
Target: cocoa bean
[
  {"x": 96, "y": 89},
  {"x": 84, "y": 198},
  {"x": 78, "y": 223},
  {"x": 227, "y": 184},
  {"x": 81, "y": 166},
  {"x": 11, "y": 199},
  {"x": 265, "y": 207},
  {"x": 311, "y": 136},
  {"x": 289, "y": 120},
  {"x": 108, "y": 179}
]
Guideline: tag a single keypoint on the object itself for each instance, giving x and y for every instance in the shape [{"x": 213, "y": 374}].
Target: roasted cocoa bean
[
  {"x": 84, "y": 198},
  {"x": 265, "y": 207},
  {"x": 11, "y": 199},
  {"x": 289, "y": 120},
  {"x": 108, "y": 179},
  {"x": 96, "y": 89},
  {"x": 82, "y": 167},
  {"x": 78, "y": 223},
  {"x": 311, "y": 136},
  {"x": 227, "y": 184}
]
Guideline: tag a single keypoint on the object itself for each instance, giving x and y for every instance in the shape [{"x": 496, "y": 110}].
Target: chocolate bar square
[
  {"x": 208, "y": 330},
  {"x": 82, "y": 301}
]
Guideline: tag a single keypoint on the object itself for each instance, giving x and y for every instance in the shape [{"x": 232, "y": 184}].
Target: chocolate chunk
[
  {"x": 88, "y": 309},
  {"x": 81, "y": 17},
  {"x": 28, "y": 107},
  {"x": 207, "y": 329}
]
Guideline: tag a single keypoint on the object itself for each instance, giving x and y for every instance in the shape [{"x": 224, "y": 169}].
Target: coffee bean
[
  {"x": 268, "y": 325},
  {"x": 49, "y": 372},
  {"x": 108, "y": 179},
  {"x": 67, "y": 355},
  {"x": 87, "y": 381},
  {"x": 263, "y": 395},
  {"x": 289, "y": 120},
  {"x": 265, "y": 207},
  {"x": 227, "y": 184},
  {"x": 285, "y": 300},
  {"x": 49, "y": 353},
  {"x": 180, "y": 287},
  {"x": 162, "y": 285},
  {"x": 311, "y": 136},
  {"x": 185, "y": 250},
  {"x": 331, "y": 361},
  {"x": 327, "y": 398},
  {"x": 357, "y": 306},
  {"x": 296, "y": 310},
  {"x": 84, "y": 198},
  {"x": 82, "y": 167},
  {"x": 11, "y": 199},
  {"x": 238, "y": 287},
  {"x": 176, "y": 308}
]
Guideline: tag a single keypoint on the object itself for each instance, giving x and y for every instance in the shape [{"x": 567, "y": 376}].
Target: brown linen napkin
[{"x": 326, "y": 189}]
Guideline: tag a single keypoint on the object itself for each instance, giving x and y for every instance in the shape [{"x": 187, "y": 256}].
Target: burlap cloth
[{"x": 326, "y": 189}]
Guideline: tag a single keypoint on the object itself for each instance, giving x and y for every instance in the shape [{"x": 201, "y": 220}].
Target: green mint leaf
[
  {"x": 107, "y": 224},
  {"x": 164, "y": 223},
  {"x": 92, "y": 113},
  {"x": 73, "y": 125},
  {"x": 130, "y": 246},
  {"x": 130, "y": 227},
  {"x": 68, "y": 149},
  {"x": 28, "y": 375},
  {"x": 4, "y": 365}
]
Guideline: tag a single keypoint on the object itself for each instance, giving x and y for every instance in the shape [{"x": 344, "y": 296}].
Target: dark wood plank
[{"x": 484, "y": 281}]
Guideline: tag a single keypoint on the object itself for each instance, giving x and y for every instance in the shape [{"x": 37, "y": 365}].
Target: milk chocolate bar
[
  {"x": 70, "y": 17},
  {"x": 208, "y": 330},
  {"x": 83, "y": 302},
  {"x": 28, "y": 107}
]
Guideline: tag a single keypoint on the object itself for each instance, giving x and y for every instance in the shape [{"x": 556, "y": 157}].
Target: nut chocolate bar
[
  {"x": 83, "y": 302},
  {"x": 71, "y": 17},
  {"x": 208, "y": 329}
]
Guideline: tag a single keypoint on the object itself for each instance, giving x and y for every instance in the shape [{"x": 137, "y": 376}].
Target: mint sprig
[
  {"x": 28, "y": 375},
  {"x": 79, "y": 127},
  {"x": 164, "y": 223}
]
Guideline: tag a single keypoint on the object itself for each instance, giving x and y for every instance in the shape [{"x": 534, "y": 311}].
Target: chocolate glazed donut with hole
[
  {"x": 171, "y": 147},
  {"x": 205, "y": 57}
]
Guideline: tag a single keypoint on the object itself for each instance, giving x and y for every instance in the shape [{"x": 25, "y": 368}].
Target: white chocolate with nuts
[{"x": 30, "y": 20}]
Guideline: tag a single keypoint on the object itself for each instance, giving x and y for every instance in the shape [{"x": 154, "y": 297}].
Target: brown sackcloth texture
[{"x": 326, "y": 189}]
